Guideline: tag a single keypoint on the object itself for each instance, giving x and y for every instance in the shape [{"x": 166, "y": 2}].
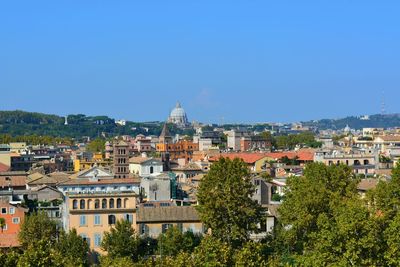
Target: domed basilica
[{"x": 178, "y": 116}]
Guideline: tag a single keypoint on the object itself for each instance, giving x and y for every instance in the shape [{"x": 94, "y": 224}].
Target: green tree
[
  {"x": 107, "y": 261},
  {"x": 174, "y": 241},
  {"x": 350, "y": 237},
  {"x": 309, "y": 197},
  {"x": 252, "y": 254},
  {"x": 9, "y": 258},
  {"x": 97, "y": 145},
  {"x": 212, "y": 252},
  {"x": 225, "y": 203},
  {"x": 121, "y": 241},
  {"x": 72, "y": 249},
  {"x": 37, "y": 227}
]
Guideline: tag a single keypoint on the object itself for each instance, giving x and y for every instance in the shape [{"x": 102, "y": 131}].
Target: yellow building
[
  {"x": 92, "y": 214},
  {"x": 80, "y": 165},
  {"x": 95, "y": 201}
]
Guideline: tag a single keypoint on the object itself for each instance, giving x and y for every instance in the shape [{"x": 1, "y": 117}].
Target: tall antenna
[{"x": 383, "y": 110}]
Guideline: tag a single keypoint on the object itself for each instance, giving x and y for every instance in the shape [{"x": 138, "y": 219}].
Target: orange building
[
  {"x": 14, "y": 216},
  {"x": 181, "y": 149}
]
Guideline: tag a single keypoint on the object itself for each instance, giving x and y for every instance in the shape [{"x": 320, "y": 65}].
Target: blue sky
[{"x": 244, "y": 61}]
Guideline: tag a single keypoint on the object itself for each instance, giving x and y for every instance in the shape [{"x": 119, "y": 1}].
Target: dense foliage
[
  {"x": 225, "y": 203},
  {"x": 43, "y": 244},
  {"x": 22, "y": 123}
]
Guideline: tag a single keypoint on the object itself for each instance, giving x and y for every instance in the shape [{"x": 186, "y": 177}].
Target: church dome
[{"x": 178, "y": 116}]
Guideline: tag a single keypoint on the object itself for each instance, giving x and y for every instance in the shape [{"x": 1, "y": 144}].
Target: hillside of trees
[
  {"x": 377, "y": 121},
  {"x": 22, "y": 123}
]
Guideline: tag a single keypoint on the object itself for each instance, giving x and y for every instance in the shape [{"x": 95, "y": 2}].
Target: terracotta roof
[
  {"x": 248, "y": 158},
  {"x": 167, "y": 214},
  {"x": 389, "y": 138},
  {"x": 48, "y": 180},
  {"x": 367, "y": 184},
  {"x": 4, "y": 167},
  {"x": 9, "y": 240},
  {"x": 302, "y": 155},
  {"x": 101, "y": 181},
  {"x": 187, "y": 167},
  {"x": 13, "y": 181},
  {"x": 139, "y": 159}
]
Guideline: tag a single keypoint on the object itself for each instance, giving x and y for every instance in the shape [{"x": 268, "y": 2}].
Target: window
[
  {"x": 15, "y": 220},
  {"x": 3, "y": 210},
  {"x": 97, "y": 219},
  {"x": 12, "y": 210},
  {"x": 119, "y": 203},
  {"x": 165, "y": 227},
  {"x": 129, "y": 218},
  {"x": 75, "y": 204},
  {"x": 82, "y": 220},
  {"x": 97, "y": 204},
  {"x": 164, "y": 204},
  {"x": 180, "y": 227},
  {"x": 97, "y": 240},
  {"x": 104, "y": 204},
  {"x": 111, "y": 203},
  {"x": 151, "y": 169},
  {"x": 85, "y": 238},
  {"x": 143, "y": 229},
  {"x": 111, "y": 219},
  {"x": 82, "y": 204},
  {"x": 5, "y": 227}
]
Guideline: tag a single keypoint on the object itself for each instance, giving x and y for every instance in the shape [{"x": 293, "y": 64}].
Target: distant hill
[
  {"x": 20, "y": 122},
  {"x": 378, "y": 121}
]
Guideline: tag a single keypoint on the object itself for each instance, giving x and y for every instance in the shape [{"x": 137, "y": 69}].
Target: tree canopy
[{"x": 225, "y": 203}]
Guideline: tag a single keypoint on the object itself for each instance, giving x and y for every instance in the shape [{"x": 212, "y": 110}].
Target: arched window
[
  {"x": 111, "y": 219},
  {"x": 151, "y": 169},
  {"x": 82, "y": 204},
  {"x": 97, "y": 204},
  {"x": 75, "y": 204},
  {"x": 119, "y": 203},
  {"x": 104, "y": 204},
  {"x": 126, "y": 203},
  {"x": 111, "y": 203}
]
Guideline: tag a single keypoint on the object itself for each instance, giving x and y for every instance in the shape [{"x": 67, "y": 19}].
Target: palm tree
[{"x": 2, "y": 223}]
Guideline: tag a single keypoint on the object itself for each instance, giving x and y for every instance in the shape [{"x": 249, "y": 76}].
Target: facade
[
  {"x": 121, "y": 160},
  {"x": 14, "y": 215},
  {"x": 253, "y": 143},
  {"x": 234, "y": 137},
  {"x": 94, "y": 201},
  {"x": 178, "y": 150},
  {"x": 144, "y": 166},
  {"x": 156, "y": 187},
  {"x": 153, "y": 220},
  {"x": 178, "y": 116},
  {"x": 93, "y": 213}
]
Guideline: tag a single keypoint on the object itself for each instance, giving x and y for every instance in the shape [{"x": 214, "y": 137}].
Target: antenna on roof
[{"x": 383, "y": 110}]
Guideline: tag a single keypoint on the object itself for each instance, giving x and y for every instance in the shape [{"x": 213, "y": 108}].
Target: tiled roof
[
  {"x": 101, "y": 181},
  {"x": 187, "y": 167},
  {"x": 302, "y": 155},
  {"x": 4, "y": 167},
  {"x": 9, "y": 240},
  {"x": 248, "y": 158},
  {"x": 139, "y": 160},
  {"x": 167, "y": 214},
  {"x": 367, "y": 184},
  {"x": 13, "y": 181},
  {"x": 389, "y": 138}
]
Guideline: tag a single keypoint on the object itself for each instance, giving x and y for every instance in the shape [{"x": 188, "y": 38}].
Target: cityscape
[{"x": 226, "y": 133}]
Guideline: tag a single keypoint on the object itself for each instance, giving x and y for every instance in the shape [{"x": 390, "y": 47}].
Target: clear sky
[{"x": 244, "y": 61}]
